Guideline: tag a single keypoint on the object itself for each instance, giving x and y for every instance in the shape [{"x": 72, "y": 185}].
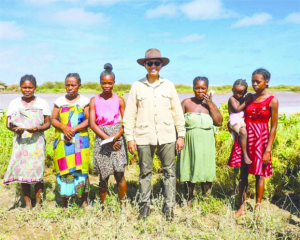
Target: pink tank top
[{"x": 107, "y": 111}]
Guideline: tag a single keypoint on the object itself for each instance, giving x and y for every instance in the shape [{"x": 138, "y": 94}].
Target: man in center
[{"x": 154, "y": 119}]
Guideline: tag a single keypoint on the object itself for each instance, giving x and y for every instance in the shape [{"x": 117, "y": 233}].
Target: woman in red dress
[{"x": 260, "y": 139}]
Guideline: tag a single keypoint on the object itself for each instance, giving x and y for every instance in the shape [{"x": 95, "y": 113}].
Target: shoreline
[{"x": 288, "y": 101}]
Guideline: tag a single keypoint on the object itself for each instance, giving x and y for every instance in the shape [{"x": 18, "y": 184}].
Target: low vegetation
[
  {"x": 94, "y": 87},
  {"x": 211, "y": 218}
]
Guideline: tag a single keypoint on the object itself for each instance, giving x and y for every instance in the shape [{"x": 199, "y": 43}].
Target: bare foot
[
  {"x": 28, "y": 205},
  {"x": 123, "y": 204},
  {"x": 247, "y": 160},
  {"x": 207, "y": 193},
  {"x": 190, "y": 204},
  {"x": 257, "y": 211},
  {"x": 38, "y": 206},
  {"x": 241, "y": 211},
  {"x": 65, "y": 210},
  {"x": 84, "y": 204}
]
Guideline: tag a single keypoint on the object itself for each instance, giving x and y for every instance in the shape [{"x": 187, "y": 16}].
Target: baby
[{"x": 236, "y": 105}]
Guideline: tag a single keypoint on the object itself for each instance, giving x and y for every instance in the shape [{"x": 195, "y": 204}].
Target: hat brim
[{"x": 164, "y": 60}]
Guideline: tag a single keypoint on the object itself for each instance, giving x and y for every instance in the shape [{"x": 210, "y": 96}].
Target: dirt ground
[{"x": 211, "y": 218}]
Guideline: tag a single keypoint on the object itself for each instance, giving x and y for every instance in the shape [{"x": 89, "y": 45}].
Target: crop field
[{"x": 211, "y": 218}]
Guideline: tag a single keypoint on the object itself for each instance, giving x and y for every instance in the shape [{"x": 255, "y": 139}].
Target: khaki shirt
[{"x": 152, "y": 113}]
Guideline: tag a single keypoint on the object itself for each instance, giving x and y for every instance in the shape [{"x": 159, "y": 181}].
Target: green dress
[{"x": 196, "y": 162}]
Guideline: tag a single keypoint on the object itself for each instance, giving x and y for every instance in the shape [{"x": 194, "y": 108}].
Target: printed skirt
[
  {"x": 106, "y": 159},
  {"x": 71, "y": 185}
]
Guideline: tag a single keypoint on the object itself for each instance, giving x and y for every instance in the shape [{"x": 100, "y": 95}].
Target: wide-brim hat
[{"x": 153, "y": 53}]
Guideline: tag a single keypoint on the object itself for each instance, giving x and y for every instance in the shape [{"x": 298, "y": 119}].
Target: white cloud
[
  {"x": 10, "y": 30},
  {"x": 206, "y": 9},
  {"x": 170, "y": 10},
  {"x": 293, "y": 18},
  {"x": 256, "y": 19},
  {"x": 78, "y": 16},
  {"x": 192, "y": 38}
]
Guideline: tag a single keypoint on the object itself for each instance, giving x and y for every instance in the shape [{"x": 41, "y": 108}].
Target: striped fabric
[{"x": 257, "y": 117}]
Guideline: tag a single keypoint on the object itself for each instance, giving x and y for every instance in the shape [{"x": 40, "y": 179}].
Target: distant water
[{"x": 289, "y": 102}]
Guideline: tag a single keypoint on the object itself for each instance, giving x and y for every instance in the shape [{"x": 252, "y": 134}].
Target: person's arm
[
  {"x": 213, "y": 111},
  {"x": 93, "y": 124},
  {"x": 178, "y": 117},
  {"x": 68, "y": 131},
  {"x": 235, "y": 106},
  {"x": 13, "y": 128},
  {"x": 183, "y": 105},
  {"x": 272, "y": 134},
  {"x": 122, "y": 109},
  {"x": 116, "y": 145},
  {"x": 42, "y": 128},
  {"x": 83, "y": 125},
  {"x": 129, "y": 119}
]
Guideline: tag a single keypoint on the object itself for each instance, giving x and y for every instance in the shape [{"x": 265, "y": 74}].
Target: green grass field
[{"x": 211, "y": 218}]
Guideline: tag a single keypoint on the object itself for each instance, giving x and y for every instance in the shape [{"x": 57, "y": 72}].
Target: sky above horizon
[{"x": 223, "y": 40}]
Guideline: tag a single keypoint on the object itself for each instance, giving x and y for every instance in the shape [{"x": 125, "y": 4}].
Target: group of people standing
[{"x": 153, "y": 120}]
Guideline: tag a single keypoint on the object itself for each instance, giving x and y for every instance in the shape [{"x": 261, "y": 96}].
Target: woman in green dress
[{"x": 196, "y": 162}]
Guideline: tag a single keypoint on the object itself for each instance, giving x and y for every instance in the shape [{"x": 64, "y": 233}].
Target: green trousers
[{"x": 166, "y": 152}]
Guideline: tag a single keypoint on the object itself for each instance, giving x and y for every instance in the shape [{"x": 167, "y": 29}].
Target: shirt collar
[{"x": 160, "y": 81}]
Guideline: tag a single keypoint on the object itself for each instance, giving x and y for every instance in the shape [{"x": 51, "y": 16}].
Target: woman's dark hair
[
  {"x": 75, "y": 75},
  {"x": 108, "y": 71},
  {"x": 264, "y": 72},
  {"x": 29, "y": 78},
  {"x": 200, "y": 79},
  {"x": 241, "y": 82}
]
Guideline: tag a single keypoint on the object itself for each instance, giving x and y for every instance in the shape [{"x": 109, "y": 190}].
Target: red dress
[{"x": 257, "y": 115}]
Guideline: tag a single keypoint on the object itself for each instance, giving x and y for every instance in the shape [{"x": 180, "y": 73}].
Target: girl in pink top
[{"x": 109, "y": 158}]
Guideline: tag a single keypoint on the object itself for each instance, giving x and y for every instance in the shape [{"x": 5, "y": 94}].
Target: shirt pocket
[
  {"x": 142, "y": 101},
  {"x": 166, "y": 99},
  {"x": 169, "y": 126},
  {"x": 141, "y": 129}
]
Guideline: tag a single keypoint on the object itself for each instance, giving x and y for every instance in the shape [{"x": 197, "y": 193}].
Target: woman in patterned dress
[
  {"x": 28, "y": 117},
  {"x": 260, "y": 139},
  {"x": 71, "y": 144},
  {"x": 109, "y": 158}
]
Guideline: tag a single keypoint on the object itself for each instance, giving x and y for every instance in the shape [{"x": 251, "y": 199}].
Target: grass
[{"x": 211, "y": 218}]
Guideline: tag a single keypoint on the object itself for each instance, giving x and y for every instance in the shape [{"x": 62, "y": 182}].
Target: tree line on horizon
[{"x": 56, "y": 87}]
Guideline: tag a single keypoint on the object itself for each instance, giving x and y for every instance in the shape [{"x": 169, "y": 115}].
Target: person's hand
[
  {"x": 115, "y": 136},
  {"x": 32, "y": 130},
  {"x": 68, "y": 133},
  {"x": 248, "y": 98},
  {"x": 116, "y": 146},
  {"x": 19, "y": 130},
  {"x": 266, "y": 157},
  {"x": 131, "y": 146},
  {"x": 208, "y": 98},
  {"x": 179, "y": 144}
]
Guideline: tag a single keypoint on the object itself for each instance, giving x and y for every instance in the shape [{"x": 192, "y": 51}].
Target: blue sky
[{"x": 221, "y": 39}]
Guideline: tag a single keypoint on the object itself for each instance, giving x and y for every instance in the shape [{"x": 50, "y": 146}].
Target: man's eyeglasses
[{"x": 156, "y": 63}]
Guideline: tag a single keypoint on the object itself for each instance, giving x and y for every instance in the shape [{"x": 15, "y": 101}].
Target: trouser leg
[
  {"x": 167, "y": 155},
  {"x": 145, "y": 153}
]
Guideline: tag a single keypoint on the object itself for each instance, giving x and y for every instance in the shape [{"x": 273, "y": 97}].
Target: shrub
[{"x": 285, "y": 156}]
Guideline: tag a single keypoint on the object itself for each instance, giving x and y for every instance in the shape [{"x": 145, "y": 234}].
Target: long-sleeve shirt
[{"x": 152, "y": 113}]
